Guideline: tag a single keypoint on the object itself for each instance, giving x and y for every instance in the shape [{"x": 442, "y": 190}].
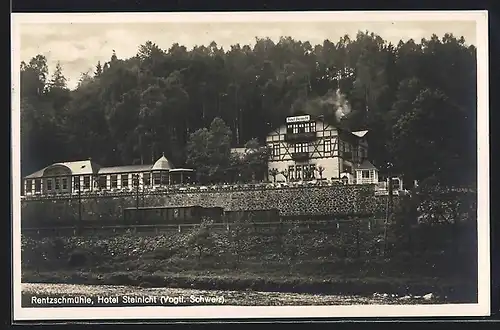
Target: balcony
[
  {"x": 300, "y": 137},
  {"x": 299, "y": 156}
]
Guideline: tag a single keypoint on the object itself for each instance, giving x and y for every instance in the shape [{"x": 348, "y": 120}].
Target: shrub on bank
[{"x": 350, "y": 251}]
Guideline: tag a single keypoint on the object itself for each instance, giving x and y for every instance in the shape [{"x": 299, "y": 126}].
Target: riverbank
[
  {"x": 335, "y": 263},
  {"x": 449, "y": 289},
  {"x": 35, "y": 295}
]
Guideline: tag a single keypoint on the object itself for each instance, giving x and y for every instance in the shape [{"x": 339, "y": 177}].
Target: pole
[
  {"x": 79, "y": 206},
  {"x": 136, "y": 182},
  {"x": 388, "y": 210}
]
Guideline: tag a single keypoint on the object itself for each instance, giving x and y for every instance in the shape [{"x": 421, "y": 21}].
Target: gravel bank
[{"x": 240, "y": 298}]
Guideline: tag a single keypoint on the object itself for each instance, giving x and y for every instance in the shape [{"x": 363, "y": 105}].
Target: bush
[
  {"x": 164, "y": 253},
  {"x": 77, "y": 259}
]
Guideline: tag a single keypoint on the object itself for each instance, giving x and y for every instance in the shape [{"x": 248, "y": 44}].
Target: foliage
[
  {"x": 320, "y": 170},
  {"x": 274, "y": 172},
  {"x": 292, "y": 241},
  {"x": 172, "y": 101},
  {"x": 201, "y": 239},
  {"x": 239, "y": 237}
]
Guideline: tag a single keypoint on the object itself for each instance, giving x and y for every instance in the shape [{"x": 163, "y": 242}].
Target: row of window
[
  {"x": 301, "y": 128},
  {"x": 367, "y": 174},
  {"x": 327, "y": 147},
  {"x": 301, "y": 171},
  {"x": 101, "y": 182},
  {"x": 302, "y": 147}
]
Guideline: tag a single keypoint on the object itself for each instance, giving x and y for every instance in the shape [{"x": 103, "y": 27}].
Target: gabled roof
[
  {"x": 360, "y": 133},
  {"x": 80, "y": 167},
  {"x": 162, "y": 164},
  {"x": 365, "y": 165}
]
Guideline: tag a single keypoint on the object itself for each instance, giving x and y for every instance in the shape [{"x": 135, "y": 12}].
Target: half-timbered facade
[
  {"x": 87, "y": 176},
  {"x": 306, "y": 147}
]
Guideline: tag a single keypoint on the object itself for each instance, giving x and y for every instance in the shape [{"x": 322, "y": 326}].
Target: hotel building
[{"x": 304, "y": 145}]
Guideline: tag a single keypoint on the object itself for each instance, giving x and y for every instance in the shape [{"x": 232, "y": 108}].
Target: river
[{"x": 193, "y": 296}]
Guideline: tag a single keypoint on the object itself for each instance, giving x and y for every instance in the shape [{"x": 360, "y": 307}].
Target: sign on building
[{"x": 298, "y": 119}]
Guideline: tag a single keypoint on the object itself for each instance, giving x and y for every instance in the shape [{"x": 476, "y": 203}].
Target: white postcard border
[{"x": 482, "y": 308}]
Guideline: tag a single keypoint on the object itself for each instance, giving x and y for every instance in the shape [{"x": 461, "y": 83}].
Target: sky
[{"x": 79, "y": 46}]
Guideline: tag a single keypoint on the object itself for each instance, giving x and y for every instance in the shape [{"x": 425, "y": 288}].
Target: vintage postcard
[{"x": 250, "y": 165}]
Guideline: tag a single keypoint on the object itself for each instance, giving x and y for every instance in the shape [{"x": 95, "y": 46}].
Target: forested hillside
[{"x": 418, "y": 99}]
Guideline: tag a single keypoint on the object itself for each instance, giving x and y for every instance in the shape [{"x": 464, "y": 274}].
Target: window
[
  {"x": 301, "y": 128},
  {"x": 124, "y": 180},
  {"x": 57, "y": 183},
  {"x": 76, "y": 182},
  {"x": 290, "y": 171},
  {"x": 327, "y": 145},
  {"x": 136, "y": 179},
  {"x": 114, "y": 181},
  {"x": 102, "y": 182},
  {"x": 28, "y": 186},
  {"x": 301, "y": 147},
  {"x": 65, "y": 183},
  {"x": 312, "y": 169},
  {"x": 38, "y": 185},
  {"x": 49, "y": 184},
  {"x": 276, "y": 150},
  {"x": 146, "y": 178},
  {"x": 298, "y": 169},
  {"x": 157, "y": 178},
  {"x": 86, "y": 182},
  {"x": 365, "y": 174},
  {"x": 164, "y": 178}
]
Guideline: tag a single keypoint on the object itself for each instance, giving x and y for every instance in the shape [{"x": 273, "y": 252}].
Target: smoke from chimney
[{"x": 332, "y": 103}]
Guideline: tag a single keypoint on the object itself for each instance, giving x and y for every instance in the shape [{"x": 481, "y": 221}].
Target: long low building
[{"x": 85, "y": 176}]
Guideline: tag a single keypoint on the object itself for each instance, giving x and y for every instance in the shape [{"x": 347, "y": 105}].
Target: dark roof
[
  {"x": 366, "y": 165},
  {"x": 124, "y": 169}
]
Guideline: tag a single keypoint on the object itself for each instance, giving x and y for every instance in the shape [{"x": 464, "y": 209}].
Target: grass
[{"x": 168, "y": 260}]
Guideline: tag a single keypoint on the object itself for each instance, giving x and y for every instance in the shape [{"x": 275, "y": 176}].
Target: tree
[
  {"x": 155, "y": 101},
  {"x": 34, "y": 76},
  {"x": 320, "y": 170},
  {"x": 285, "y": 174},
  {"x": 291, "y": 242},
  {"x": 414, "y": 140},
  {"x": 273, "y": 172},
  {"x": 239, "y": 239},
  {"x": 254, "y": 162},
  {"x": 84, "y": 79},
  {"x": 201, "y": 239},
  {"x": 209, "y": 150},
  {"x": 98, "y": 69},
  {"x": 58, "y": 80}
]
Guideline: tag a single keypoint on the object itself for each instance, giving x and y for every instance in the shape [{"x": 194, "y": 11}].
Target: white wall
[{"x": 330, "y": 164}]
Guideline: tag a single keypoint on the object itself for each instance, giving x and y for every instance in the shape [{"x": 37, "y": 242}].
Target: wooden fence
[{"x": 364, "y": 224}]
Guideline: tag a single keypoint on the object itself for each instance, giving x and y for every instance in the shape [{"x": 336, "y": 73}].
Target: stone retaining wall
[{"x": 291, "y": 202}]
